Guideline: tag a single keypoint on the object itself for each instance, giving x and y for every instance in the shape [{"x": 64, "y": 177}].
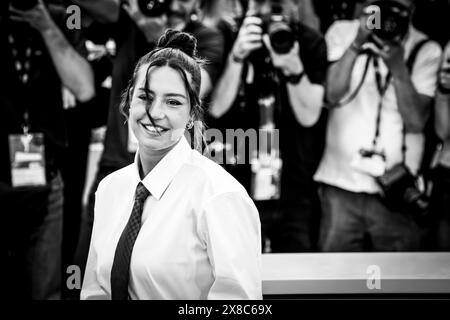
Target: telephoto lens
[
  {"x": 281, "y": 35},
  {"x": 394, "y": 20}
]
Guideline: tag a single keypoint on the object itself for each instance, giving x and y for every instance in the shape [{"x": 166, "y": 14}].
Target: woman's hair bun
[{"x": 179, "y": 40}]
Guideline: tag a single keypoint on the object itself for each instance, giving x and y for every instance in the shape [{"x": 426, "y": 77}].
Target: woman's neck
[{"x": 149, "y": 158}]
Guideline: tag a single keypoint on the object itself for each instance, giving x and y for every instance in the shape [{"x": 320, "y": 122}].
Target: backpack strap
[{"x": 414, "y": 52}]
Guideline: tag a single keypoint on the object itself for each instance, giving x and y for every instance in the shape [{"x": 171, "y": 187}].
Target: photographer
[
  {"x": 381, "y": 85},
  {"x": 273, "y": 81},
  {"x": 137, "y": 27},
  {"x": 440, "y": 197},
  {"x": 39, "y": 56}
]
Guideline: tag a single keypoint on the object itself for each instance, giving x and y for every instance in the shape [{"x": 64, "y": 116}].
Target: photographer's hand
[
  {"x": 249, "y": 38},
  {"x": 363, "y": 34},
  {"x": 289, "y": 63},
  {"x": 37, "y": 17},
  {"x": 151, "y": 27},
  {"x": 305, "y": 97},
  {"x": 393, "y": 55},
  {"x": 412, "y": 106},
  {"x": 65, "y": 58}
]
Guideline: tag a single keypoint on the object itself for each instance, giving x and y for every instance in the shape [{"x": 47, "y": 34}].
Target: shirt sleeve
[
  {"x": 425, "y": 69},
  {"x": 313, "y": 53},
  {"x": 91, "y": 289},
  {"x": 339, "y": 37},
  {"x": 232, "y": 232}
]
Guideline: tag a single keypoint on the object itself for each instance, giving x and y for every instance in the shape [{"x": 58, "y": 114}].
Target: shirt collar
[{"x": 157, "y": 180}]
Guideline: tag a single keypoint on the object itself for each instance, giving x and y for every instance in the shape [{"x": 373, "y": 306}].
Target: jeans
[
  {"x": 360, "y": 222},
  {"x": 33, "y": 242}
]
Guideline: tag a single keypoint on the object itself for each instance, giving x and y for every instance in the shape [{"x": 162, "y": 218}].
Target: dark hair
[{"x": 177, "y": 50}]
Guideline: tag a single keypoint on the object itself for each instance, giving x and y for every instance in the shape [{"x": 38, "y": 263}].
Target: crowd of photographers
[{"x": 350, "y": 101}]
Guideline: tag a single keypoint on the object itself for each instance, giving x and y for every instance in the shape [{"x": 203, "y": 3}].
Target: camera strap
[
  {"x": 357, "y": 89},
  {"x": 382, "y": 88}
]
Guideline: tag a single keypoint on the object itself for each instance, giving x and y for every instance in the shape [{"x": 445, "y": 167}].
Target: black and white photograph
[{"x": 247, "y": 152}]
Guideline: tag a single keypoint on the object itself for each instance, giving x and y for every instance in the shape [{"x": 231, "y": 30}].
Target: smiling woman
[{"x": 193, "y": 231}]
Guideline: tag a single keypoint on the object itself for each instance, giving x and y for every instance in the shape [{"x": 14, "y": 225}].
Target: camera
[
  {"x": 394, "y": 20},
  {"x": 154, "y": 8},
  {"x": 281, "y": 34},
  {"x": 400, "y": 193},
  {"x": 23, "y": 5},
  {"x": 279, "y": 28}
]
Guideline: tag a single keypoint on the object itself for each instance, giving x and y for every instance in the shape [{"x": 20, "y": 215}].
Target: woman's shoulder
[
  {"x": 116, "y": 179},
  {"x": 213, "y": 175}
]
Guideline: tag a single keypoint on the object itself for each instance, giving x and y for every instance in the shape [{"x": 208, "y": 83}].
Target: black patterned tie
[{"x": 120, "y": 272}]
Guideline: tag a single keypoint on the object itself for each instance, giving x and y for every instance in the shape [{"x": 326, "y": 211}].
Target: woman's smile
[{"x": 154, "y": 130}]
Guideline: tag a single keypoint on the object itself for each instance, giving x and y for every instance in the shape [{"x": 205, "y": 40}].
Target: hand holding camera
[
  {"x": 363, "y": 34},
  {"x": 392, "y": 53},
  {"x": 383, "y": 26},
  {"x": 289, "y": 63},
  {"x": 36, "y": 16},
  {"x": 152, "y": 21},
  {"x": 249, "y": 38}
]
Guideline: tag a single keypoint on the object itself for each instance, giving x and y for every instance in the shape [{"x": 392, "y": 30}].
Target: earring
[{"x": 190, "y": 125}]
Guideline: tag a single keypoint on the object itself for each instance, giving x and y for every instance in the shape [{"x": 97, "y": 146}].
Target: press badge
[
  {"x": 370, "y": 162},
  {"x": 27, "y": 157}
]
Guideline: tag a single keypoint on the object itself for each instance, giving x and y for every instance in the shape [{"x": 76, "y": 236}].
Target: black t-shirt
[
  {"x": 301, "y": 148},
  {"x": 41, "y": 96},
  {"x": 131, "y": 46}
]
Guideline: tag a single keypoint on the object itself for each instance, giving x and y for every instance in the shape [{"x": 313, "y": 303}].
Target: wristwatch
[
  {"x": 295, "y": 78},
  {"x": 235, "y": 58}
]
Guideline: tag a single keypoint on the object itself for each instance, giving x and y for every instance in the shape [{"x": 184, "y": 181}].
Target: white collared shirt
[
  {"x": 352, "y": 127},
  {"x": 200, "y": 236}
]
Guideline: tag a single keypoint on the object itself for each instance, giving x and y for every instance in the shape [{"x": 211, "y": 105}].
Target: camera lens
[
  {"x": 394, "y": 21},
  {"x": 281, "y": 35}
]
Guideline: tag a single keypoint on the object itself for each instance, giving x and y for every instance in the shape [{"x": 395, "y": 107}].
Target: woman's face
[{"x": 168, "y": 106}]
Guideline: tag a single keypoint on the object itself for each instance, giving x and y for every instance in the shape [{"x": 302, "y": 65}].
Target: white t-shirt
[
  {"x": 200, "y": 236},
  {"x": 352, "y": 126}
]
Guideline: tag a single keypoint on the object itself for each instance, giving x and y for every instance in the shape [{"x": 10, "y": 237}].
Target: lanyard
[
  {"x": 382, "y": 88},
  {"x": 22, "y": 64}
]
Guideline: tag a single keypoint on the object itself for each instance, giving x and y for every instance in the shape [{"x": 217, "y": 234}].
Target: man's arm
[
  {"x": 74, "y": 71},
  {"x": 305, "y": 97},
  {"x": 340, "y": 72},
  {"x": 104, "y": 11},
  {"x": 226, "y": 89},
  {"x": 339, "y": 75},
  {"x": 442, "y": 102},
  {"x": 413, "y": 106},
  {"x": 249, "y": 39}
]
